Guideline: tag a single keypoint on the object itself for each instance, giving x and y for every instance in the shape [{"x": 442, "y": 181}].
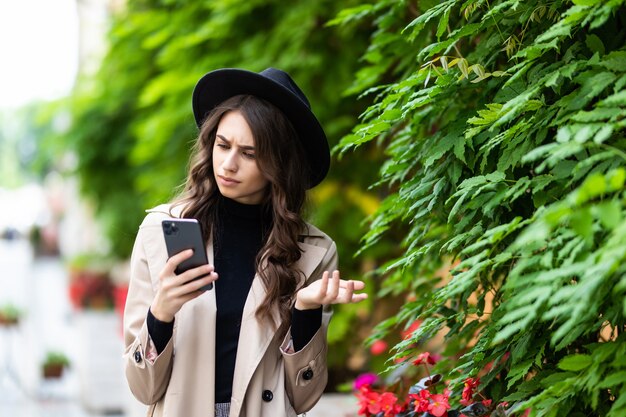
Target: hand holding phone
[
  {"x": 183, "y": 234},
  {"x": 188, "y": 263}
]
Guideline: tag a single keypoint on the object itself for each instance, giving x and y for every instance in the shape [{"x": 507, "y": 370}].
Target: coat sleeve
[
  {"x": 147, "y": 379},
  {"x": 306, "y": 374}
]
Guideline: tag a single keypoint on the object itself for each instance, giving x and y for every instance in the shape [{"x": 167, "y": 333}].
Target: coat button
[
  {"x": 308, "y": 374},
  {"x": 137, "y": 356},
  {"x": 267, "y": 396}
]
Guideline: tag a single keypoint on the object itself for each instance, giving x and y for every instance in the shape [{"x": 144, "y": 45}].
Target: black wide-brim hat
[{"x": 278, "y": 88}]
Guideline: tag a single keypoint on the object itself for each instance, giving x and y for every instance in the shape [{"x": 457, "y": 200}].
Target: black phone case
[{"x": 182, "y": 234}]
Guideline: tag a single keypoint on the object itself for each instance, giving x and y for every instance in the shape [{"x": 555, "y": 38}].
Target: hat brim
[{"x": 219, "y": 85}]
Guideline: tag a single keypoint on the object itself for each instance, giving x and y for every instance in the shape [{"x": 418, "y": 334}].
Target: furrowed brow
[{"x": 244, "y": 147}]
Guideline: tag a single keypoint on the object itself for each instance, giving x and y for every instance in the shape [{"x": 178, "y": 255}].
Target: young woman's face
[{"x": 234, "y": 161}]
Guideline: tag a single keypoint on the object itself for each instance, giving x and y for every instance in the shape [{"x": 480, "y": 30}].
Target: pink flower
[{"x": 366, "y": 379}]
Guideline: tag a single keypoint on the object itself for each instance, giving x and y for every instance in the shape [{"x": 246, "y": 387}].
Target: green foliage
[
  {"x": 54, "y": 357},
  {"x": 10, "y": 312},
  {"x": 503, "y": 127}
]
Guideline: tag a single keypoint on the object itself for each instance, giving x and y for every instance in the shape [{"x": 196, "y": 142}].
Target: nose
[{"x": 230, "y": 162}]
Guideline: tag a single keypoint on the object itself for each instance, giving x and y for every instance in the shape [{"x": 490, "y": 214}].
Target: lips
[{"x": 228, "y": 181}]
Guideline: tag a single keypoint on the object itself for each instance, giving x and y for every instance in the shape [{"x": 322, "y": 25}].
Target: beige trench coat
[{"x": 268, "y": 380}]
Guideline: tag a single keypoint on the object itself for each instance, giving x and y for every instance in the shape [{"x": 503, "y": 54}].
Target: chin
[{"x": 228, "y": 194}]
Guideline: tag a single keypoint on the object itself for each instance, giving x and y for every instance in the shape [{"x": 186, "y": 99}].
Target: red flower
[
  {"x": 486, "y": 403},
  {"x": 424, "y": 358},
  {"x": 468, "y": 390},
  {"x": 421, "y": 401},
  {"x": 372, "y": 402},
  {"x": 439, "y": 405},
  {"x": 388, "y": 404},
  {"x": 413, "y": 327},
  {"x": 378, "y": 347},
  {"x": 368, "y": 401}
]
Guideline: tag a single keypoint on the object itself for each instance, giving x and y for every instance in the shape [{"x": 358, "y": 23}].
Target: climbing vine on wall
[{"x": 503, "y": 123}]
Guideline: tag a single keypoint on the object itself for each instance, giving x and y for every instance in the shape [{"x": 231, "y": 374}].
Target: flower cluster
[
  {"x": 423, "y": 398},
  {"x": 373, "y": 403},
  {"x": 90, "y": 290}
]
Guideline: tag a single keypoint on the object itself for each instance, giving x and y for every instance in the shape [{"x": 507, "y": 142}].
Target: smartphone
[{"x": 182, "y": 234}]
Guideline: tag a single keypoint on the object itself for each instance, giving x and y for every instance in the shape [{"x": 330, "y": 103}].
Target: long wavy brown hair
[{"x": 281, "y": 159}]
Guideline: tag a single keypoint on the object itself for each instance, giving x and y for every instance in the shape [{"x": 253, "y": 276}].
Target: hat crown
[{"x": 282, "y": 78}]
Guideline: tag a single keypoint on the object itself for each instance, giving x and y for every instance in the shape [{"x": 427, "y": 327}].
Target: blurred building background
[{"x": 44, "y": 222}]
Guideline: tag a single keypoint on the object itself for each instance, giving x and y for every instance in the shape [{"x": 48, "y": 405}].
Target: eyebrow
[{"x": 244, "y": 147}]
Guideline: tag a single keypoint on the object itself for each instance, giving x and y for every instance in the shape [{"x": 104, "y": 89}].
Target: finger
[
  {"x": 349, "y": 291},
  {"x": 197, "y": 284},
  {"x": 357, "y": 298},
  {"x": 194, "y": 273},
  {"x": 333, "y": 290},
  {"x": 174, "y": 261},
  {"x": 358, "y": 285},
  {"x": 323, "y": 286}
]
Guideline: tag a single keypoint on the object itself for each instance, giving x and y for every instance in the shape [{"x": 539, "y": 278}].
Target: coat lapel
[{"x": 255, "y": 337}]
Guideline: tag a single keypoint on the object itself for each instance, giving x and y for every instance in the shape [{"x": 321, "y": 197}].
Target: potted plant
[
  {"x": 9, "y": 315},
  {"x": 53, "y": 364},
  {"x": 90, "y": 285}
]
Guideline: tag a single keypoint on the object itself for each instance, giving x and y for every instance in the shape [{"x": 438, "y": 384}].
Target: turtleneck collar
[{"x": 248, "y": 211}]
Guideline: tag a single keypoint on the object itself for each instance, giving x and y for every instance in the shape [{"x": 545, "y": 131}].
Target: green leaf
[
  {"x": 614, "y": 380},
  {"x": 594, "y": 43},
  {"x": 418, "y": 23},
  {"x": 443, "y": 23},
  {"x": 576, "y": 362},
  {"x": 609, "y": 214},
  {"x": 617, "y": 99},
  {"x": 351, "y": 14},
  {"x": 582, "y": 222},
  {"x": 585, "y": 2},
  {"x": 615, "y": 61}
]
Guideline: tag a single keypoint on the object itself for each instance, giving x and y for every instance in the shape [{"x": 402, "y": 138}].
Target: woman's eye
[
  {"x": 249, "y": 155},
  {"x": 222, "y": 146}
]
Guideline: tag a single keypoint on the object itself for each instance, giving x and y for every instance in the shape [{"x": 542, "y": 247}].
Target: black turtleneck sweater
[{"x": 240, "y": 234}]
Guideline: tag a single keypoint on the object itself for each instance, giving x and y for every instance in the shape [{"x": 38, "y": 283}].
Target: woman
[{"x": 254, "y": 345}]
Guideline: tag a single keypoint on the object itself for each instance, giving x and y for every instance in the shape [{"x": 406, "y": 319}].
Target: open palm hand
[{"x": 329, "y": 290}]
